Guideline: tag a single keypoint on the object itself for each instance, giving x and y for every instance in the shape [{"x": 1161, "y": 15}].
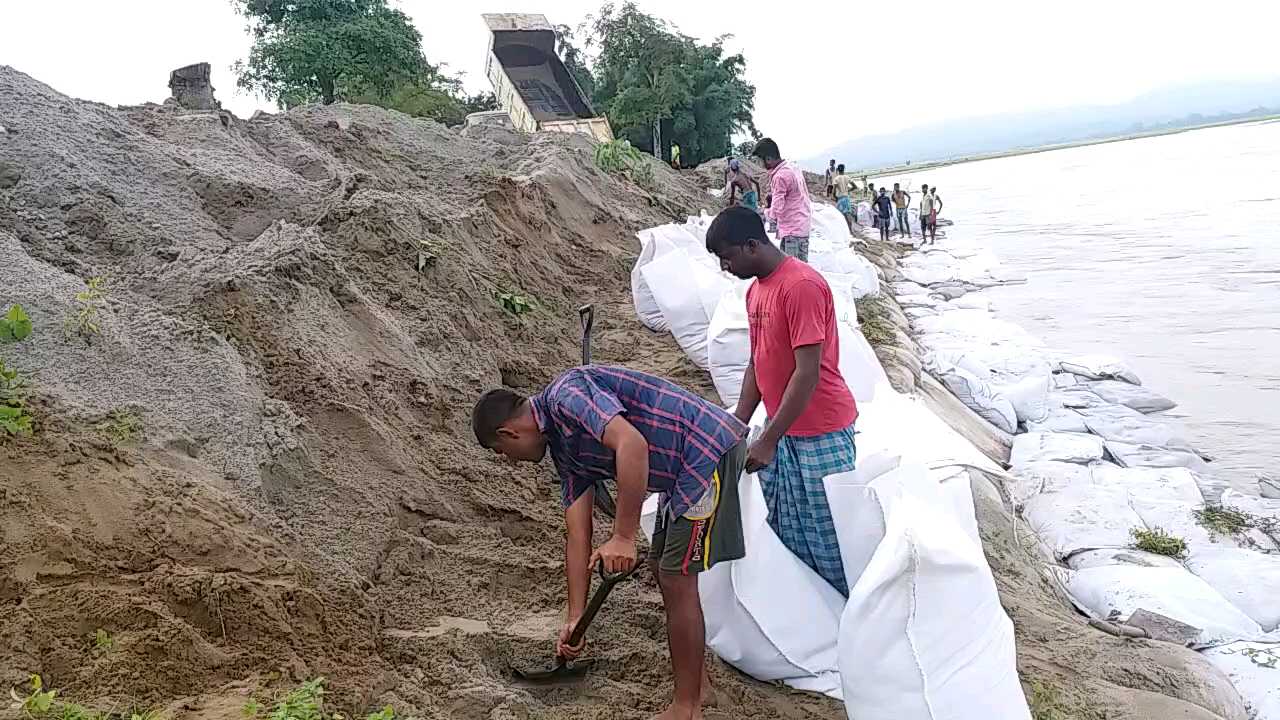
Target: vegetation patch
[
  {"x": 15, "y": 325},
  {"x": 621, "y": 158},
  {"x": 305, "y": 702},
  {"x": 38, "y": 704},
  {"x": 121, "y": 427},
  {"x": 515, "y": 303},
  {"x": 1156, "y": 540},
  {"x": 1226, "y": 521},
  {"x": 873, "y": 316},
  {"x": 84, "y": 317},
  {"x": 1046, "y": 702}
]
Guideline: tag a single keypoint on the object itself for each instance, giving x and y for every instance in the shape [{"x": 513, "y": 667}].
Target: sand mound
[{"x": 300, "y": 310}]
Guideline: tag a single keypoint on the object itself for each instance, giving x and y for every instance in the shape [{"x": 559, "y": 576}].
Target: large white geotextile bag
[
  {"x": 654, "y": 243},
  {"x": 729, "y": 344},
  {"x": 1082, "y": 517},
  {"x": 979, "y": 397},
  {"x": 1134, "y": 397},
  {"x": 1119, "y": 590},
  {"x": 1253, "y": 669},
  {"x": 688, "y": 292},
  {"x": 1248, "y": 579},
  {"x": 1100, "y": 367},
  {"x": 1054, "y": 446},
  {"x": 923, "y": 635}
]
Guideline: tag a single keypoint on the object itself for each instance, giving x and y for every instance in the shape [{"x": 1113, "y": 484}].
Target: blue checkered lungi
[{"x": 797, "y": 500}]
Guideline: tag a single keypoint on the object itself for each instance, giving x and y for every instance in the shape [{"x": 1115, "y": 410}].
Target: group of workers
[
  {"x": 649, "y": 435},
  {"x": 885, "y": 205}
]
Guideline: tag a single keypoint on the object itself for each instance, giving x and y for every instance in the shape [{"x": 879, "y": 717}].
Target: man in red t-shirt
[{"x": 795, "y": 370}]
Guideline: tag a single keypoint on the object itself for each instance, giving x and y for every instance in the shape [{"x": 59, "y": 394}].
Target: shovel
[
  {"x": 570, "y": 672},
  {"x": 587, "y": 318}
]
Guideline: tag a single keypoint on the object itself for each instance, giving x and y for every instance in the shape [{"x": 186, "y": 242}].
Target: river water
[{"x": 1164, "y": 251}]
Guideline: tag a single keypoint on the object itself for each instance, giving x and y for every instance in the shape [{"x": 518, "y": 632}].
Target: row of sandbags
[
  {"x": 1094, "y": 461},
  {"x": 922, "y": 599}
]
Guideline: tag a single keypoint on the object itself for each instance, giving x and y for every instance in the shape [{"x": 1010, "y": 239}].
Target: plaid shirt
[{"x": 687, "y": 435}]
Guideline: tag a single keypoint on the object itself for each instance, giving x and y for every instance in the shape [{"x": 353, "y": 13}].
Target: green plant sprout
[
  {"x": 88, "y": 303},
  {"x": 1156, "y": 540}
]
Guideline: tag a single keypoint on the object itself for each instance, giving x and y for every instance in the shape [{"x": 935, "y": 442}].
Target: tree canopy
[
  {"x": 353, "y": 50},
  {"x": 659, "y": 87}
]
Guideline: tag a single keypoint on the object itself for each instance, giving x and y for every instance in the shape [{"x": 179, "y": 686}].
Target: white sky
[{"x": 825, "y": 72}]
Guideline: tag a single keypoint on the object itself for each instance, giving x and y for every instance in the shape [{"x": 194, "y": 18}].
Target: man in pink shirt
[
  {"x": 795, "y": 370},
  {"x": 789, "y": 207}
]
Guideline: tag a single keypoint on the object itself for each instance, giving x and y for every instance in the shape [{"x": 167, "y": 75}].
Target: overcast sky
[{"x": 824, "y": 71}]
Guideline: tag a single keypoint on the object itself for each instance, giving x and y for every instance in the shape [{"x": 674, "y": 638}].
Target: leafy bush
[
  {"x": 120, "y": 427},
  {"x": 39, "y": 704},
  {"x": 87, "y": 304},
  {"x": 1224, "y": 520},
  {"x": 620, "y": 157},
  {"x": 1156, "y": 540},
  {"x": 15, "y": 325},
  {"x": 515, "y": 304},
  {"x": 306, "y": 702}
]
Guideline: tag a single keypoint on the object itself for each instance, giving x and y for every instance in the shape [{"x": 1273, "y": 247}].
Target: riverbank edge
[
  {"x": 889, "y": 170},
  {"x": 1068, "y": 668}
]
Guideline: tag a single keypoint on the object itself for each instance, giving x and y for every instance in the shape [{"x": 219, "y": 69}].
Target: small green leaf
[{"x": 19, "y": 324}]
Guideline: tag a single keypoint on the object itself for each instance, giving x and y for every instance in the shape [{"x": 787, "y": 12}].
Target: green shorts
[{"x": 709, "y": 533}]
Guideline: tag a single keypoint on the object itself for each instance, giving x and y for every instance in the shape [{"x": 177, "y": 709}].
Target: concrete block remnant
[{"x": 189, "y": 86}]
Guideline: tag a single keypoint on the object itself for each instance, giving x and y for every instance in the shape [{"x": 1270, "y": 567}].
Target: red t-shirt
[{"x": 791, "y": 308}]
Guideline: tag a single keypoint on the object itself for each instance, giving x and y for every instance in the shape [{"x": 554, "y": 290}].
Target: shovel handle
[
  {"x": 587, "y": 317},
  {"x": 607, "y": 581}
]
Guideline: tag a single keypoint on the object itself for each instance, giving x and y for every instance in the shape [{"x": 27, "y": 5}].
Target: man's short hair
[
  {"x": 766, "y": 149},
  {"x": 492, "y": 410},
  {"x": 840, "y": 167},
  {"x": 733, "y": 227}
]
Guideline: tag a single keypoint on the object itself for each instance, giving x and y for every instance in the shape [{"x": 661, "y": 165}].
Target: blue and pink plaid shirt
[{"x": 687, "y": 435}]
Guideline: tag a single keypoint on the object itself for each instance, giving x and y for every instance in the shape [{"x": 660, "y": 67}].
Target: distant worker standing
[
  {"x": 926, "y": 213},
  {"x": 843, "y": 188},
  {"x": 675, "y": 156},
  {"x": 937, "y": 210},
  {"x": 739, "y": 180},
  {"x": 884, "y": 213},
  {"x": 788, "y": 200},
  {"x": 831, "y": 177},
  {"x": 901, "y": 201}
]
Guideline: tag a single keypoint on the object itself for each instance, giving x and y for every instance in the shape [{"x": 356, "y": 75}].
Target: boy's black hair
[
  {"x": 491, "y": 411},
  {"x": 733, "y": 227},
  {"x": 840, "y": 167},
  {"x": 766, "y": 149}
]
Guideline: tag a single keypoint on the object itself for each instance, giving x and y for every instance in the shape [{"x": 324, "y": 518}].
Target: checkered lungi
[{"x": 797, "y": 500}]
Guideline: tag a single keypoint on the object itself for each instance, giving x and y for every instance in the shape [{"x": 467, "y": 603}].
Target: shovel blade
[{"x": 566, "y": 674}]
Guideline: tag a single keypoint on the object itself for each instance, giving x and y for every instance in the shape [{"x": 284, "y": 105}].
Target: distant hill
[{"x": 1180, "y": 106}]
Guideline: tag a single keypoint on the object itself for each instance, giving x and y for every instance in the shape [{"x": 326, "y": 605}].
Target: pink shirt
[
  {"x": 791, "y": 308},
  {"x": 790, "y": 204}
]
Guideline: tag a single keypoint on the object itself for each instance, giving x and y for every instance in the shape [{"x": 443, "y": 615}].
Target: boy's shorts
[{"x": 710, "y": 532}]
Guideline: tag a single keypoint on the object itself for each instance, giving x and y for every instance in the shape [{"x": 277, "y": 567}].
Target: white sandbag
[
  {"x": 1172, "y": 484},
  {"x": 915, "y": 313},
  {"x": 729, "y": 344},
  {"x": 1063, "y": 380},
  {"x": 1269, "y": 487},
  {"x": 1116, "y": 591},
  {"x": 687, "y": 292},
  {"x": 927, "y": 276},
  {"x": 769, "y": 615},
  {"x": 1254, "y": 670},
  {"x": 849, "y": 266},
  {"x": 859, "y": 366},
  {"x": 1062, "y": 447},
  {"x": 1130, "y": 455},
  {"x": 829, "y": 224},
  {"x": 1134, "y": 397},
  {"x": 972, "y": 302},
  {"x": 1253, "y": 504},
  {"x": 1063, "y": 420},
  {"x": 1082, "y": 517},
  {"x": 864, "y": 214},
  {"x": 1121, "y": 424},
  {"x": 1100, "y": 367},
  {"x": 1029, "y": 397},
  {"x": 978, "y": 396},
  {"x": 903, "y": 288},
  {"x": 654, "y": 243},
  {"x": 1248, "y": 579},
  {"x": 1077, "y": 398},
  {"x": 1034, "y": 478},
  {"x": 1120, "y": 556},
  {"x": 927, "y": 610}
]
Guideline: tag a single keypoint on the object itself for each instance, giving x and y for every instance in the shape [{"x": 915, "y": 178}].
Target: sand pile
[{"x": 261, "y": 470}]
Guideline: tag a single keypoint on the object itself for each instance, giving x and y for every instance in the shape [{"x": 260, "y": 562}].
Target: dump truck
[{"x": 531, "y": 82}]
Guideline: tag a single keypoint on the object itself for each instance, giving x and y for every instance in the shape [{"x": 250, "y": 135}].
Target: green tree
[
  {"x": 639, "y": 74},
  {"x": 327, "y": 50},
  {"x": 652, "y": 81}
]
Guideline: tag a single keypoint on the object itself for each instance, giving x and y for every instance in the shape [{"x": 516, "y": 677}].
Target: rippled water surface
[{"x": 1164, "y": 251}]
